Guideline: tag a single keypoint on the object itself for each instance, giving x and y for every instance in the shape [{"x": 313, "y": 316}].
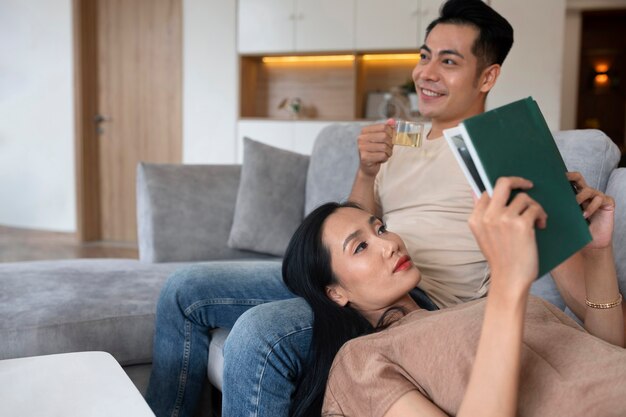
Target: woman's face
[{"x": 372, "y": 265}]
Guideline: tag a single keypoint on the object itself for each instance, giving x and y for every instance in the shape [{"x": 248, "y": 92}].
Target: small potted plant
[{"x": 409, "y": 90}]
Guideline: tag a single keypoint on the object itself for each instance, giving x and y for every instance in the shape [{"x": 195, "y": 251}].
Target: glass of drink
[{"x": 408, "y": 133}]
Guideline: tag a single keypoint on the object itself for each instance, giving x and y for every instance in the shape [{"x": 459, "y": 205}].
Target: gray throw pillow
[{"x": 270, "y": 200}]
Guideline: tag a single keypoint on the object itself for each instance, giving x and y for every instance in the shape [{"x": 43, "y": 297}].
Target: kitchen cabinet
[
  {"x": 271, "y": 26},
  {"x": 301, "y": 26},
  {"x": 388, "y": 25},
  {"x": 266, "y": 26}
]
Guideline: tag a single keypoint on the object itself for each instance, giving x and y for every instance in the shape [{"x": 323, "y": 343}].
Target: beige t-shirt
[
  {"x": 565, "y": 371},
  {"x": 426, "y": 199}
]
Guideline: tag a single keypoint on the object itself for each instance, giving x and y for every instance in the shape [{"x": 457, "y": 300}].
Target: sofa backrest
[
  {"x": 590, "y": 152},
  {"x": 335, "y": 159}
]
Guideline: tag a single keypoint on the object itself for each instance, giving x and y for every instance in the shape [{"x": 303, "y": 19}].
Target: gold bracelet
[{"x": 604, "y": 306}]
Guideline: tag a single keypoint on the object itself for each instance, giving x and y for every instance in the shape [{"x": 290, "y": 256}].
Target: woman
[{"x": 505, "y": 355}]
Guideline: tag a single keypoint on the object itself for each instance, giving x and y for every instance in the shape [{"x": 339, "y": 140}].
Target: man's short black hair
[{"x": 495, "y": 36}]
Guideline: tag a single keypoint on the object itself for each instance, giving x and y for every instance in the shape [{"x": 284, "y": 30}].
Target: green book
[{"x": 514, "y": 140}]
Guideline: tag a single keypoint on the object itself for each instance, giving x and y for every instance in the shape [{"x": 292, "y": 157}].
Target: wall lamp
[{"x": 601, "y": 77}]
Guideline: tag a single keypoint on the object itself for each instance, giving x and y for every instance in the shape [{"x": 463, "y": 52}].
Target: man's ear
[
  {"x": 489, "y": 77},
  {"x": 336, "y": 293}
]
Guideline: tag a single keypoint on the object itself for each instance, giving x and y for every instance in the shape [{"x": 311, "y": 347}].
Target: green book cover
[{"x": 514, "y": 140}]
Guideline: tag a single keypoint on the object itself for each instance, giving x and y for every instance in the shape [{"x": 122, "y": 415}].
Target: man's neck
[
  {"x": 436, "y": 131},
  {"x": 437, "y": 128},
  {"x": 438, "y": 124}
]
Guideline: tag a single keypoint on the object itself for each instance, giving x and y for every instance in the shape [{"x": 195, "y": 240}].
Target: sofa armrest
[{"x": 185, "y": 212}]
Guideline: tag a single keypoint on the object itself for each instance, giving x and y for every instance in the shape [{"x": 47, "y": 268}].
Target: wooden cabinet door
[
  {"x": 324, "y": 25},
  {"x": 266, "y": 26},
  {"x": 391, "y": 24}
]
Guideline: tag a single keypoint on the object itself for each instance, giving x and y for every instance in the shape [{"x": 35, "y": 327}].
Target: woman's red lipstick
[{"x": 403, "y": 264}]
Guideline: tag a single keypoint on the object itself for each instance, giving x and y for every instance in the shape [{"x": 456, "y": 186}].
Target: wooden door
[{"x": 136, "y": 95}]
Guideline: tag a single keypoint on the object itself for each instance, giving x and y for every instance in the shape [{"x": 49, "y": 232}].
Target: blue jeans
[{"x": 263, "y": 355}]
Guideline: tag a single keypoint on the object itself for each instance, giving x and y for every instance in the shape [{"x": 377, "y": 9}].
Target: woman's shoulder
[{"x": 365, "y": 347}]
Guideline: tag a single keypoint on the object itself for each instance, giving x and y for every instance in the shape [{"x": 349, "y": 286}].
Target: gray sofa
[{"x": 185, "y": 216}]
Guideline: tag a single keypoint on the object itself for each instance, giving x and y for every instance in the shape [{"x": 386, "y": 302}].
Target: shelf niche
[{"x": 330, "y": 87}]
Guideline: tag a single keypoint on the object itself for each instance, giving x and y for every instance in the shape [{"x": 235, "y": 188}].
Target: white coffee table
[{"x": 86, "y": 384}]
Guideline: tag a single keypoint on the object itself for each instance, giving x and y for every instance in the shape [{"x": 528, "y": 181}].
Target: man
[
  {"x": 422, "y": 195},
  {"x": 422, "y": 192}
]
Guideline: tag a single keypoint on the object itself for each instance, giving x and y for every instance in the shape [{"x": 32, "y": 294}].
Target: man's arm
[{"x": 375, "y": 147}]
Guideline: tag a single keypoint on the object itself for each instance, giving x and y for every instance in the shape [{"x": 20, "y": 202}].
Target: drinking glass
[{"x": 408, "y": 133}]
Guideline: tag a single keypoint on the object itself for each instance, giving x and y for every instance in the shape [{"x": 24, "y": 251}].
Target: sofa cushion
[
  {"x": 51, "y": 307},
  {"x": 270, "y": 200},
  {"x": 334, "y": 162}
]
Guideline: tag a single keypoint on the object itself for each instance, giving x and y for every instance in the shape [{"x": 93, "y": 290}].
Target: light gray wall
[
  {"x": 210, "y": 79},
  {"x": 37, "y": 187},
  {"x": 534, "y": 65},
  {"x": 571, "y": 63}
]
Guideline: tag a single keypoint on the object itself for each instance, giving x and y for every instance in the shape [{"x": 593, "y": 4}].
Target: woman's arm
[
  {"x": 506, "y": 236},
  {"x": 493, "y": 385},
  {"x": 414, "y": 404},
  {"x": 590, "y": 274},
  {"x": 604, "y": 316}
]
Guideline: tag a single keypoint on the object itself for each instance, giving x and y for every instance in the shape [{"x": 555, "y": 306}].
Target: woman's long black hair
[{"x": 307, "y": 272}]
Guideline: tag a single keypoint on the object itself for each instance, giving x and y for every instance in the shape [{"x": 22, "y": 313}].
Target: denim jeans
[{"x": 262, "y": 356}]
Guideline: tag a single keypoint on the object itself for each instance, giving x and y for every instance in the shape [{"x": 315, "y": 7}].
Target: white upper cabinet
[
  {"x": 288, "y": 26},
  {"x": 266, "y": 26},
  {"x": 391, "y": 24},
  {"x": 295, "y": 25},
  {"x": 325, "y": 25}
]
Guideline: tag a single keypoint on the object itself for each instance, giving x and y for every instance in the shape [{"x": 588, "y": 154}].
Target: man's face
[{"x": 446, "y": 78}]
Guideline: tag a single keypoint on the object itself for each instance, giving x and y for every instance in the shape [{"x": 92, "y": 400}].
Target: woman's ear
[
  {"x": 489, "y": 77},
  {"x": 336, "y": 294}
]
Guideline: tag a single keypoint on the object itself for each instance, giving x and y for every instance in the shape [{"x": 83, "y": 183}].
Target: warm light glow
[
  {"x": 306, "y": 58},
  {"x": 338, "y": 58},
  {"x": 601, "y": 80},
  {"x": 602, "y": 67},
  {"x": 391, "y": 57}
]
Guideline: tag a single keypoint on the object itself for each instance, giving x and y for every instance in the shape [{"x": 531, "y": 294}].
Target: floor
[{"x": 28, "y": 245}]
